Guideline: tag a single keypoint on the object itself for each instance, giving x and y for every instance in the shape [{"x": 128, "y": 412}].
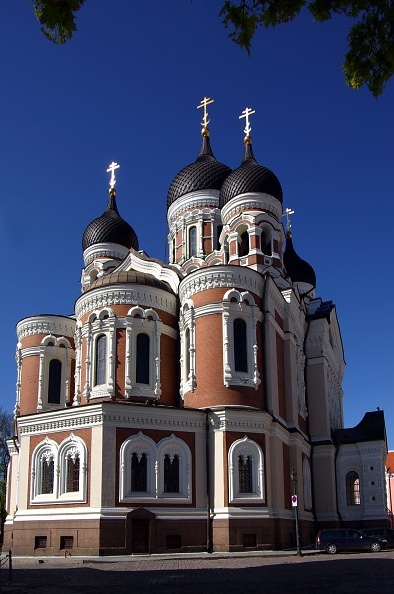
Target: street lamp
[{"x": 294, "y": 503}]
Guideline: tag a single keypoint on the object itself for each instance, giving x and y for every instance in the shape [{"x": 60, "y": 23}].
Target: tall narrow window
[
  {"x": 245, "y": 468},
  {"x": 142, "y": 363},
  {"x": 219, "y": 229},
  {"x": 47, "y": 474},
  {"x": 54, "y": 381},
  {"x": 240, "y": 351},
  {"x": 101, "y": 360},
  {"x": 265, "y": 243},
  {"x": 72, "y": 472},
  {"x": 139, "y": 467},
  {"x": 171, "y": 474},
  {"x": 187, "y": 353},
  {"x": 243, "y": 249},
  {"x": 192, "y": 241},
  {"x": 353, "y": 488}
]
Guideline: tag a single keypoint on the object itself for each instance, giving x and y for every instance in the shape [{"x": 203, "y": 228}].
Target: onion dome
[
  {"x": 298, "y": 270},
  {"x": 110, "y": 228},
  {"x": 206, "y": 173},
  {"x": 250, "y": 177}
]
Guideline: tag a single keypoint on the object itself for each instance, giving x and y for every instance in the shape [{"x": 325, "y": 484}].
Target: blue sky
[{"x": 126, "y": 89}]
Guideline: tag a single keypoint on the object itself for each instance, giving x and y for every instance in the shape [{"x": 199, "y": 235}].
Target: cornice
[
  {"x": 58, "y": 325},
  {"x": 154, "y": 268},
  {"x": 252, "y": 201},
  {"x": 225, "y": 277},
  {"x": 198, "y": 199},
  {"x": 108, "y": 414},
  {"x": 104, "y": 250},
  {"x": 126, "y": 294}
]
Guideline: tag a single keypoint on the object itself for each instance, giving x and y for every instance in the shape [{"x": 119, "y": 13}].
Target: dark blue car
[{"x": 347, "y": 539}]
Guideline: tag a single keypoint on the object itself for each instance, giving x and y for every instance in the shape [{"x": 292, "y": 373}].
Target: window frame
[
  {"x": 353, "y": 494},
  {"x": 58, "y": 453},
  {"x": 143, "y": 321},
  {"x": 187, "y": 323},
  {"x": 244, "y": 448},
  {"x": 240, "y": 305},
  {"x": 155, "y": 452},
  {"x": 100, "y": 323}
]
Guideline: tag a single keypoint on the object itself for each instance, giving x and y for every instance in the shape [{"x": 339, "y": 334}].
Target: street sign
[{"x": 294, "y": 500}]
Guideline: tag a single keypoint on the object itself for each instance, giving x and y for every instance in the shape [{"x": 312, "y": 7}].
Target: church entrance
[
  {"x": 140, "y": 532},
  {"x": 140, "y": 536}
]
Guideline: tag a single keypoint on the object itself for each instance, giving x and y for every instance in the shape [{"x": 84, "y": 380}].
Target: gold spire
[
  {"x": 245, "y": 114},
  {"x": 205, "y": 121}
]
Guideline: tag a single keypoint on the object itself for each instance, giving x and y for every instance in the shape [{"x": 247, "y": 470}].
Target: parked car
[
  {"x": 386, "y": 533},
  {"x": 348, "y": 539}
]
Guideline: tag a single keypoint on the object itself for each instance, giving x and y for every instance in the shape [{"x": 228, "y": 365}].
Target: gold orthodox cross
[
  {"x": 204, "y": 103},
  {"x": 245, "y": 114},
  {"x": 111, "y": 169}
]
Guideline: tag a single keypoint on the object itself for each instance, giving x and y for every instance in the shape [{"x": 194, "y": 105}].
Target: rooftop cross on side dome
[
  {"x": 287, "y": 214},
  {"x": 205, "y": 121},
  {"x": 245, "y": 114},
  {"x": 112, "y": 181}
]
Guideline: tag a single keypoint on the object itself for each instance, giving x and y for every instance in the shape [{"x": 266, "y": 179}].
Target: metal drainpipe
[
  {"x": 264, "y": 312},
  {"x": 208, "y": 481}
]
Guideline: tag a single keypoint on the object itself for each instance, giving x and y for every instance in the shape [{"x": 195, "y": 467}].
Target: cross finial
[
  {"x": 245, "y": 114},
  {"x": 204, "y": 103},
  {"x": 111, "y": 169},
  {"x": 287, "y": 214}
]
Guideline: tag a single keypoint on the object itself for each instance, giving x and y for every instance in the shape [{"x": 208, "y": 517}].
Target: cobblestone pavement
[{"x": 362, "y": 573}]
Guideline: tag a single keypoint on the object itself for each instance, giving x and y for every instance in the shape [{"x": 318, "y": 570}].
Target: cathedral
[{"x": 193, "y": 405}]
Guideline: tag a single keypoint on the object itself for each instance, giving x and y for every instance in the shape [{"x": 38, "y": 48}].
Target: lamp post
[{"x": 294, "y": 503}]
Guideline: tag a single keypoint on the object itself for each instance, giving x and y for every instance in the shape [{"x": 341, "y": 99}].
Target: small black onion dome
[
  {"x": 298, "y": 270},
  {"x": 206, "y": 173},
  {"x": 130, "y": 276},
  {"x": 110, "y": 228},
  {"x": 250, "y": 177}
]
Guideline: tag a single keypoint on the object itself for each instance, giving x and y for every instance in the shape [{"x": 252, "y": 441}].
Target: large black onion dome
[
  {"x": 250, "y": 177},
  {"x": 110, "y": 228},
  {"x": 206, "y": 173},
  {"x": 298, "y": 270}
]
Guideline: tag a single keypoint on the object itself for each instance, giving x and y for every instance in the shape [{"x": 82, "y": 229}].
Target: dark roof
[
  {"x": 110, "y": 228},
  {"x": 206, "y": 173},
  {"x": 250, "y": 177},
  {"x": 130, "y": 277},
  {"x": 298, "y": 269},
  {"x": 371, "y": 428},
  {"x": 323, "y": 311}
]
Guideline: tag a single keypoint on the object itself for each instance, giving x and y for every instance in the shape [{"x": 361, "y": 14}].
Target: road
[{"x": 359, "y": 573}]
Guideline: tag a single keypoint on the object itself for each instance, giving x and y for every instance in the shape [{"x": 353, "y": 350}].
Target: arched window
[
  {"x": 54, "y": 381},
  {"x": 240, "y": 346},
  {"x": 245, "y": 472},
  {"x": 243, "y": 247},
  {"x": 219, "y": 229},
  {"x": 187, "y": 353},
  {"x": 192, "y": 241},
  {"x": 101, "y": 360},
  {"x": 143, "y": 359},
  {"x": 72, "y": 471},
  {"x": 306, "y": 470},
  {"x": 47, "y": 473},
  {"x": 266, "y": 243},
  {"x": 171, "y": 474},
  {"x": 139, "y": 466},
  {"x": 353, "y": 488}
]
